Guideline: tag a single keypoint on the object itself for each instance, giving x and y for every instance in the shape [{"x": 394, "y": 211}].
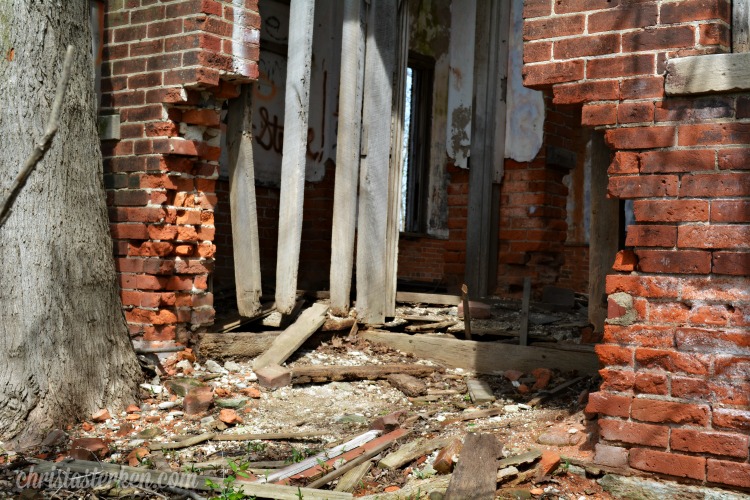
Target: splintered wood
[{"x": 293, "y": 337}]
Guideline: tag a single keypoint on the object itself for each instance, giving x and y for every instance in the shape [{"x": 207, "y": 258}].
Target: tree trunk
[{"x": 64, "y": 346}]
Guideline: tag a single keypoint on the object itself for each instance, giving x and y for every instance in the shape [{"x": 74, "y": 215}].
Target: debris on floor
[{"x": 331, "y": 415}]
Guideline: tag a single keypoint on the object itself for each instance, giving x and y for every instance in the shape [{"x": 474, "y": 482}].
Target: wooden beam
[
  {"x": 428, "y": 298},
  {"x": 393, "y": 223},
  {"x": 412, "y": 451},
  {"x": 318, "y": 374},
  {"x": 605, "y": 229},
  {"x": 352, "y": 476},
  {"x": 293, "y": 337},
  {"x": 491, "y": 358},
  {"x": 242, "y": 204},
  {"x": 475, "y": 475},
  {"x": 234, "y": 345},
  {"x": 740, "y": 26},
  {"x": 708, "y": 73},
  {"x": 490, "y": 64},
  {"x": 296, "y": 110},
  {"x": 347, "y": 155},
  {"x": 375, "y": 164}
]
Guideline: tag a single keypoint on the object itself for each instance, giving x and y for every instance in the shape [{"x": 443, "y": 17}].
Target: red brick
[
  {"x": 651, "y": 236},
  {"x": 651, "y": 383},
  {"x": 730, "y": 473},
  {"x": 640, "y": 335},
  {"x": 611, "y": 456},
  {"x": 537, "y": 8},
  {"x": 673, "y": 37},
  {"x": 625, "y": 17},
  {"x": 731, "y": 263},
  {"x": 643, "y": 87},
  {"x": 620, "y": 66},
  {"x": 671, "y": 211},
  {"x": 730, "y": 211},
  {"x": 714, "y": 443},
  {"x": 694, "y": 110},
  {"x": 658, "y": 411},
  {"x": 725, "y": 341},
  {"x": 715, "y": 185},
  {"x": 617, "y": 380},
  {"x": 733, "y": 366},
  {"x": 624, "y": 162},
  {"x": 677, "y": 161},
  {"x": 732, "y": 419},
  {"x": 679, "y": 262},
  {"x": 625, "y": 261},
  {"x": 572, "y": 6},
  {"x": 612, "y": 355},
  {"x": 668, "y": 463},
  {"x": 640, "y": 137},
  {"x": 595, "y": 90},
  {"x": 715, "y": 133},
  {"x": 714, "y": 34},
  {"x": 635, "y": 112},
  {"x": 560, "y": 26},
  {"x": 609, "y": 404},
  {"x": 668, "y": 312},
  {"x": 537, "y": 52},
  {"x": 713, "y": 236},
  {"x": 599, "y": 114},
  {"x": 734, "y": 159},
  {"x": 541, "y": 75},
  {"x": 207, "y": 117},
  {"x": 672, "y": 361},
  {"x": 634, "y": 433},
  {"x": 571, "y": 48},
  {"x": 695, "y": 10},
  {"x": 643, "y": 186}
]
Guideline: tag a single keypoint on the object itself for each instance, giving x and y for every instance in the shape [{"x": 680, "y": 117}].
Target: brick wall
[
  {"x": 676, "y": 357},
  {"x": 168, "y": 68}
]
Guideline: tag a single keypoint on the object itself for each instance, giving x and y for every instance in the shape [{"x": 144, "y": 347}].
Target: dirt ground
[{"x": 328, "y": 414}]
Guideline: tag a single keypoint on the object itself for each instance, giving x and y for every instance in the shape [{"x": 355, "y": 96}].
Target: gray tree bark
[{"x": 64, "y": 346}]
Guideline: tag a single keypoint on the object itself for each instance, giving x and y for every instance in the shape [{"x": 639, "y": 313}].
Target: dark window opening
[{"x": 416, "y": 143}]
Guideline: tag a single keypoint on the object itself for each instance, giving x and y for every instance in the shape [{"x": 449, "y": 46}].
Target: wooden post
[
  {"x": 605, "y": 229},
  {"x": 395, "y": 173},
  {"x": 296, "y": 107},
  {"x": 242, "y": 204},
  {"x": 523, "y": 338},
  {"x": 347, "y": 155},
  {"x": 490, "y": 63},
  {"x": 740, "y": 25},
  {"x": 374, "y": 167},
  {"x": 467, "y": 311},
  {"x": 460, "y": 80}
]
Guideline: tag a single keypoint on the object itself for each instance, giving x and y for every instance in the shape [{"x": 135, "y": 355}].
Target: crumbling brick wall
[
  {"x": 168, "y": 68},
  {"x": 675, "y": 397}
]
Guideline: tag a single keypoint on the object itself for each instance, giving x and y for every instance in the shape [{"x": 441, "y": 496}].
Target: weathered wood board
[
  {"x": 475, "y": 475},
  {"x": 293, "y": 337},
  {"x": 484, "y": 357}
]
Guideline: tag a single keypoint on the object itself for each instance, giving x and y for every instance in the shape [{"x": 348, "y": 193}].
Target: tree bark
[{"x": 64, "y": 346}]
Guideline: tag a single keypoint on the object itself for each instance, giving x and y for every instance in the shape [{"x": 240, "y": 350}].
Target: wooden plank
[
  {"x": 475, "y": 475},
  {"x": 242, "y": 204},
  {"x": 375, "y": 164},
  {"x": 234, "y": 345},
  {"x": 347, "y": 155},
  {"x": 489, "y": 65},
  {"x": 296, "y": 111},
  {"x": 708, "y": 73},
  {"x": 460, "y": 83},
  {"x": 350, "y": 480},
  {"x": 740, "y": 26},
  {"x": 319, "y": 374},
  {"x": 467, "y": 311},
  {"x": 393, "y": 224},
  {"x": 185, "y": 481},
  {"x": 408, "y": 384},
  {"x": 605, "y": 229},
  {"x": 293, "y": 337},
  {"x": 523, "y": 338},
  {"x": 428, "y": 298},
  {"x": 431, "y": 326},
  {"x": 480, "y": 391},
  {"x": 359, "y": 455},
  {"x": 491, "y": 358},
  {"x": 412, "y": 451}
]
